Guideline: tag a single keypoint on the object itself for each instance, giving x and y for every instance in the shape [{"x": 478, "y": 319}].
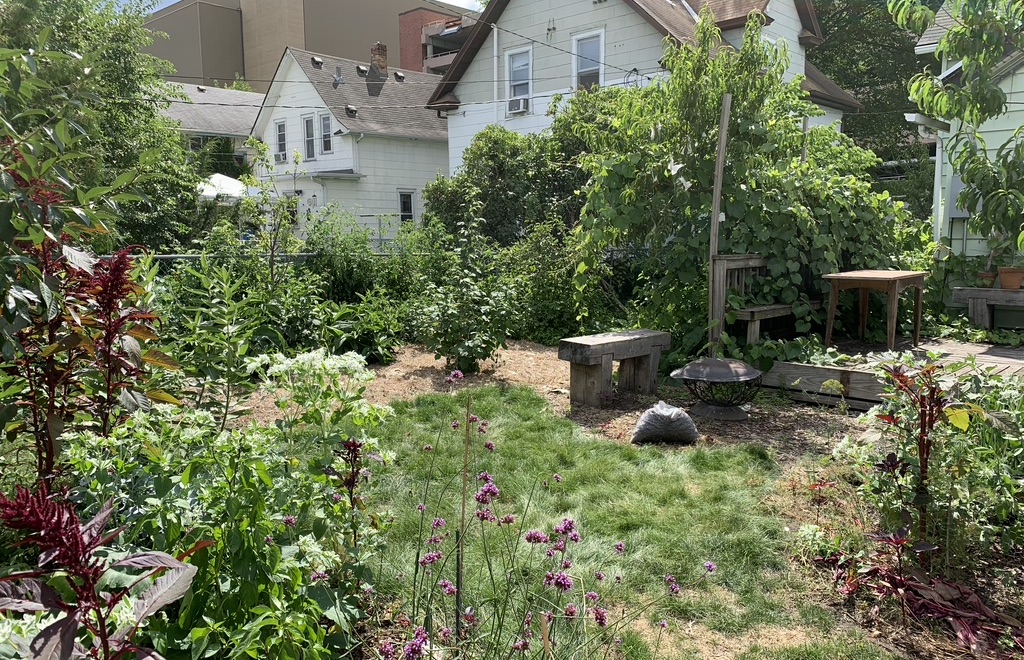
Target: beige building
[{"x": 211, "y": 41}]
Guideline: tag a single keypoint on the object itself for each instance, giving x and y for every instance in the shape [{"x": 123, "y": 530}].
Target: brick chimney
[{"x": 379, "y": 61}]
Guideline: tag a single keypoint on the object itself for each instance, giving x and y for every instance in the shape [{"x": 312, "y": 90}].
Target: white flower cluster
[
  {"x": 316, "y": 557},
  {"x": 316, "y": 363}
]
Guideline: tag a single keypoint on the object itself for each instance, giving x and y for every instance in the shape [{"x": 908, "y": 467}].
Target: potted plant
[{"x": 1011, "y": 276}]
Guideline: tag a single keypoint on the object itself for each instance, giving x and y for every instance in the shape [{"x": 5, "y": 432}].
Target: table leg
[
  {"x": 830, "y": 320},
  {"x": 894, "y": 301},
  {"x": 918, "y": 294},
  {"x": 863, "y": 312}
]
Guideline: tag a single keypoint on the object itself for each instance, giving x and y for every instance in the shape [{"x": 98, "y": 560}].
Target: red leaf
[
  {"x": 152, "y": 559},
  {"x": 202, "y": 545},
  {"x": 56, "y": 641}
]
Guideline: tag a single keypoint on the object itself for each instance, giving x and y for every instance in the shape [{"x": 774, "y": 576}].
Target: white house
[
  {"x": 950, "y": 221},
  {"x": 208, "y": 113},
  {"x": 365, "y": 138},
  {"x": 508, "y": 75}
]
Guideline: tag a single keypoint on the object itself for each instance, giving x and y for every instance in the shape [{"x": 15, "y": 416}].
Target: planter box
[{"x": 803, "y": 382}]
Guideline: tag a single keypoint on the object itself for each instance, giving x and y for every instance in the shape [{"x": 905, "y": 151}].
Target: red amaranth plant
[
  {"x": 92, "y": 625},
  {"x": 80, "y": 351}
]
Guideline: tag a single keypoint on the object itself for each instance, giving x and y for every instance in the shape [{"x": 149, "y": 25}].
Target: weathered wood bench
[
  {"x": 732, "y": 272},
  {"x": 980, "y": 302},
  {"x": 590, "y": 358}
]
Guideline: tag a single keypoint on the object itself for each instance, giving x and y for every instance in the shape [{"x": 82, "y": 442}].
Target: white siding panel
[
  {"x": 629, "y": 41},
  {"x": 785, "y": 28},
  {"x": 832, "y": 118}
]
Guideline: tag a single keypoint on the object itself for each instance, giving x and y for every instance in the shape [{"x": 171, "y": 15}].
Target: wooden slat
[
  {"x": 1009, "y": 297},
  {"x": 809, "y": 379}
]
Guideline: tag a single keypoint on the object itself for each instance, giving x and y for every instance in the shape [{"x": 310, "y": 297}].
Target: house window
[
  {"x": 519, "y": 74},
  {"x": 309, "y": 137},
  {"x": 326, "y": 134},
  {"x": 405, "y": 208},
  {"x": 282, "y": 138},
  {"x": 587, "y": 59}
]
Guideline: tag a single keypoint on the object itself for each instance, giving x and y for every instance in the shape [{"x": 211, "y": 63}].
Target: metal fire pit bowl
[{"x": 721, "y": 386}]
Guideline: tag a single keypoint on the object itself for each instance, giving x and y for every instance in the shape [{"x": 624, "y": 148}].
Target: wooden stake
[
  {"x": 807, "y": 127},
  {"x": 716, "y": 210}
]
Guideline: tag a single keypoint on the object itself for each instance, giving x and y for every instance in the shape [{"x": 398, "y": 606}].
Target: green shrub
[
  {"x": 279, "y": 514},
  {"x": 468, "y": 317},
  {"x": 373, "y": 327},
  {"x": 343, "y": 255}
]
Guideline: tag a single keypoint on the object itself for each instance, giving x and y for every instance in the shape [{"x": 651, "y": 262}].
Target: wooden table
[
  {"x": 891, "y": 282},
  {"x": 638, "y": 353}
]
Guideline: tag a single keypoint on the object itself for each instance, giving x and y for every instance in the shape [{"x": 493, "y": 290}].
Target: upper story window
[
  {"x": 308, "y": 138},
  {"x": 405, "y": 206},
  {"x": 326, "y": 134},
  {"x": 519, "y": 74},
  {"x": 588, "y": 57},
  {"x": 282, "y": 138}
]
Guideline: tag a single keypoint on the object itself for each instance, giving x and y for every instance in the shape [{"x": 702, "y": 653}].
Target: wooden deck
[
  {"x": 861, "y": 390},
  {"x": 1002, "y": 360}
]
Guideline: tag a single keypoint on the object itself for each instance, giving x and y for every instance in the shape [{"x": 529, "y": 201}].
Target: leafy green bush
[
  {"x": 947, "y": 461},
  {"x": 540, "y": 269},
  {"x": 374, "y": 327},
  {"x": 468, "y": 317},
  {"x": 343, "y": 254},
  {"x": 277, "y": 514}
]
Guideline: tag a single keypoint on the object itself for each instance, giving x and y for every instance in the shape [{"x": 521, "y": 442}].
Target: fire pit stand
[{"x": 721, "y": 386}]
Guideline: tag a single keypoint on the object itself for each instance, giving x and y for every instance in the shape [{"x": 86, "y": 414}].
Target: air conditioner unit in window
[
  {"x": 280, "y": 158},
  {"x": 518, "y": 106}
]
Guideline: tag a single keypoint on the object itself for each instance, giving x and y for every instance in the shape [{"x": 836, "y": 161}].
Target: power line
[
  {"x": 495, "y": 26},
  {"x": 169, "y": 76}
]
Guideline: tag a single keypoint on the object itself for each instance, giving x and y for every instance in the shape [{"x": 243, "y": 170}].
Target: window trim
[
  {"x": 305, "y": 140},
  {"x": 508, "y": 71},
  {"x": 412, "y": 201},
  {"x": 576, "y": 39},
  {"x": 330, "y": 135},
  {"x": 278, "y": 134}
]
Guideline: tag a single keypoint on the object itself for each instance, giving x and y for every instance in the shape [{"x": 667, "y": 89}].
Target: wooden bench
[
  {"x": 980, "y": 302},
  {"x": 590, "y": 358},
  {"x": 732, "y": 272}
]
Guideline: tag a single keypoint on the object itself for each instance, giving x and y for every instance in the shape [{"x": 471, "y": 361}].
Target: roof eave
[{"x": 830, "y": 101}]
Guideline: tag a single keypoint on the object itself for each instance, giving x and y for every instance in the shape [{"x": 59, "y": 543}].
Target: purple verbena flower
[
  {"x": 473, "y": 419},
  {"x": 557, "y": 477},
  {"x": 290, "y": 521},
  {"x": 431, "y": 558},
  {"x": 507, "y": 520},
  {"x": 438, "y": 523},
  {"x": 620, "y": 548},
  {"x": 435, "y": 540},
  {"x": 536, "y": 536},
  {"x": 319, "y": 576},
  {"x": 599, "y": 576},
  {"x": 574, "y": 537},
  {"x": 567, "y": 525},
  {"x": 387, "y": 650},
  {"x": 560, "y": 581},
  {"x": 482, "y": 430},
  {"x": 456, "y": 425},
  {"x": 447, "y": 588},
  {"x": 592, "y": 596},
  {"x": 486, "y": 515},
  {"x": 600, "y": 617},
  {"x": 457, "y": 375},
  {"x": 488, "y": 493},
  {"x": 710, "y": 567},
  {"x": 489, "y": 446},
  {"x": 421, "y": 507},
  {"x": 337, "y": 497},
  {"x": 417, "y": 648},
  {"x": 674, "y": 589},
  {"x": 670, "y": 579},
  {"x": 446, "y": 635},
  {"x": 522, "y": 646},
  {"x": 566, "y": 564},
  {"x": 550, "y": 552},
  {"x": 428, "y": 448},
  {"x": 663, "y": 624},
  {"x": 485, "y": 476},
  {"x": 559, "y": 545},
  {"x": 269, "y": 540}
]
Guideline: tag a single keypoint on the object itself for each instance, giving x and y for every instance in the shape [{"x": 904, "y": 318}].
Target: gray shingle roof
[
  {"x": 215, "y": 111},
  {"x": 384, "y": 107},
  {"x": 943, "y": 21}
]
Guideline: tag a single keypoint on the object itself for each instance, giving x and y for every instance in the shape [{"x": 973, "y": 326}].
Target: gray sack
[{"x": 665, "y": 423}]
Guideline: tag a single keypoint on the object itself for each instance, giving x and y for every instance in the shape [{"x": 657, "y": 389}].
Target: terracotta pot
[
  {"x": 987, "y": 279},
  {"x": 1011, "y": 278}
]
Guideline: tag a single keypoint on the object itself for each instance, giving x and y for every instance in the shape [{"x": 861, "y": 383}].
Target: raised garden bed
[{"x": 860, "y": 389}]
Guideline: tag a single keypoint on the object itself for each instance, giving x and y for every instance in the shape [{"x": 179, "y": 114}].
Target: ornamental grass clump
[{"x": 532, "y": 596}]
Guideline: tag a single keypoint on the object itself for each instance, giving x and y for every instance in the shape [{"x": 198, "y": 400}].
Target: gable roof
[
  {"x": 824, "y": 91},
  {"x": 944, "y": 20},
  {"x": 672, "y": 19},
  {"x": 383, "y": 106},
  {"x": 214, "y": 111}
]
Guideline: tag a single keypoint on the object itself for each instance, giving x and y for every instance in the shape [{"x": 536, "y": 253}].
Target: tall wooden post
[
  {"x": 806, "y": 129},
  {"x": 716, "y": 210}
]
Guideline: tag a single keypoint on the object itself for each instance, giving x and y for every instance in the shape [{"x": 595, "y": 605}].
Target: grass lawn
[{"x": 674, "y": 508}]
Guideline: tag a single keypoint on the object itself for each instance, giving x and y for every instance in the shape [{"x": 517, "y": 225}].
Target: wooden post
[
  {"x": 807, "y": 127},
  {"x": 716, "y": 209}
]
